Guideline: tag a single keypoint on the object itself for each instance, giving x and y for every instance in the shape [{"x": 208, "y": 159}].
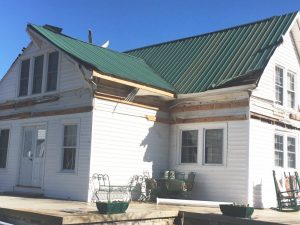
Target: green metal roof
[
  {"x": 104, "y": 60},
  {"x": 229, "y": 57}
]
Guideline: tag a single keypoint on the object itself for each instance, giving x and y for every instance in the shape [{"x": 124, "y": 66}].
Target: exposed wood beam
[
  {"x": 210, "y": 119},
  {"x": 132, "y": 84},
  {"x": 158, "y": 119},
  {"x": 46, "y": 113},
  {"x": 272, "y": 120},
  {"x": 28, "y": 102},
  {"x": 99, "y": 96},
  {"x": 221, "y": 105}
]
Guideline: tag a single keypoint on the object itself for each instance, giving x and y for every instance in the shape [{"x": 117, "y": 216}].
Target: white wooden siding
[
  {"x": 217, "y": 183},
  {"x": 261, "y": 150},
  {"x": 261, "y": 162},
  {"x": 56, "y": 183},
  {"x": 125, "y": 143},
  {"x": 286, "y": 57}
]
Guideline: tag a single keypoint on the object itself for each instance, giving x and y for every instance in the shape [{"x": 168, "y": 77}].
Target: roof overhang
[{"x": 133, "y": 84}]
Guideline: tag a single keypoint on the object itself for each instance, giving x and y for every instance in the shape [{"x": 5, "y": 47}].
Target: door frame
[{"x": 20, "y": 152}]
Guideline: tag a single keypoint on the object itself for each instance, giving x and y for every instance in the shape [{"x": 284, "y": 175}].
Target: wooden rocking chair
[{"x": 286, "y": 199}]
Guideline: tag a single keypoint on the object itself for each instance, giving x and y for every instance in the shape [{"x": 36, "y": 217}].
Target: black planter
[
  {"x": 237, "y": 211},
  {"x": 112, "y": 207}
]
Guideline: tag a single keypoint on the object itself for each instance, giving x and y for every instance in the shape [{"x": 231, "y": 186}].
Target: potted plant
[
  {"x": 235, "y": 210},
  {"x": 112, "y": 207}
]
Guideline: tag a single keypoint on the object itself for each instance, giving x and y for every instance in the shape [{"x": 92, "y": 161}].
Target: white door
[{"x": 32, "y": 158}]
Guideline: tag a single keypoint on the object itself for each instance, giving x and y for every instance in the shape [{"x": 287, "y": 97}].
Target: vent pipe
[{"x": 90, "y": 37}]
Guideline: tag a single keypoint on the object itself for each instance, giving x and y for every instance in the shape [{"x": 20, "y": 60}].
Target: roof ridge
[
  {"x": 212, "y": 32},
  {"x": 108, "y": 49}
]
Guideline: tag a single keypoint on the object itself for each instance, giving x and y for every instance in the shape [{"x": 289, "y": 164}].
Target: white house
[{"x": 224, "y": 105}]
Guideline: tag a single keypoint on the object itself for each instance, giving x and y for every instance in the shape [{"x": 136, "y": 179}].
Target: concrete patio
[{"x": 42, "y": 211}]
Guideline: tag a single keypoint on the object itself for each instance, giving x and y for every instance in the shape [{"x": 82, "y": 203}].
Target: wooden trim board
[
  {"x": 125, "y": 102},
  {"x": 132, "y": 84},
  {"x": 46, "y": 113},
  {"x": 221, "y": 105}
]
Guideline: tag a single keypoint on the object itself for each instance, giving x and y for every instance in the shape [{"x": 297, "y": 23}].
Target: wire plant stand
[{"x": 110, "y": 198}]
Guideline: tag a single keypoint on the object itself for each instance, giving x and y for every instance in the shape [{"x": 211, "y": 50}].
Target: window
[
  {"x": 24, "y": 78},
  {"x": 69, "y": 147},
  {"x": 291, "y": 151},
  {"x": 290, "y": 90},
  {"x": 37, "y": 75},
  {"x": 278, "y": 150},
  {"x": 4, "y": 136},
  {"x": 279, "y": 85},
  {"x": 213, "y": 146},
  {"x": 189, "y": 146},
  {"x": 52, "y": 71}
]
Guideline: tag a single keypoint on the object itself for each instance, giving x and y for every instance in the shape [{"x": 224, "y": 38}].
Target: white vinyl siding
[
  {"x": 189, "y": 146},
  {"x": 211, "y": 182},
  {"x": 69, "y": 147},
  {"x": 213, "y": 150},
  {"x": 37, "y": 75},
  {"x": 24, "y": 77},
  {"x": 4, "y": 137}
]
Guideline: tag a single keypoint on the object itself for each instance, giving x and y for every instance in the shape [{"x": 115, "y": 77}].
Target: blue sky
[{"x": 128, "y": 23}]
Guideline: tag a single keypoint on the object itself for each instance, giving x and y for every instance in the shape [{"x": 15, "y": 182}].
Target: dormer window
[{"x": 38, "y": 80}]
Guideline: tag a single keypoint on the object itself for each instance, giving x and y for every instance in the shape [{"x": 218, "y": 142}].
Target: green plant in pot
[
  {"x": 236, "y": 210},
  {"x": 112, "y": 207}
]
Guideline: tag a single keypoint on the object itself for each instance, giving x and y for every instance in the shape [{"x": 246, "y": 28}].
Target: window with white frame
[
  {"x": 279, "y": 150},
  {"x": 291, "y": 90},
  {"x": 291, "y": 152},
  {"x": 31, "y": 80},
  {"x": 189, "y": 146},
  {"x": 69, "y": 147},
  {"x": 213, "y": 153},
  {"x": 285, "y": 87},
  {"x": 4, "y": 136},
  {"x": 279, "y": 85},
  {"x": 285, "y": 151}
]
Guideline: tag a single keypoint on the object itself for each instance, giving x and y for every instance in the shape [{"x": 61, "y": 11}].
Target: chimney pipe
[{"x": 90, "y": 37}]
